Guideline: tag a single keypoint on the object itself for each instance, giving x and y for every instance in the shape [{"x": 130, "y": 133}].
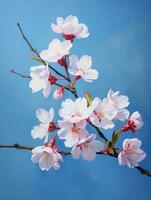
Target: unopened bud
[
  {"x": 59, "y": 92},
  {"x": 52, "y": 79}
]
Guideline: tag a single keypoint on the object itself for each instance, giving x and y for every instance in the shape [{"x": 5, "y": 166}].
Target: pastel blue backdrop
[{"x": 120, "y": 47}]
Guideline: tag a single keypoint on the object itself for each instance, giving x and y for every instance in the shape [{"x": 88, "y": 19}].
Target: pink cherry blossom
[
  {"x": 103, "y": 114},
  {"x": 70, "y": 28},
  {"x": 46, "y": 124},
  {"x": 75, "y": 111},
  {"x": 134, "y": 123},
  {"x": 87, "y": 147},
  {"x": 47, "y": 157},
  {"x": 82, "y": 68},
  {"x": 120, "y": 103},
  {"x": 56, "y": 50},
  {"x": 40, "y": 80},
  {"x": 131, "y": 154},
  {"x": 71, "y": 133},
  {"x": 59, "y": 92}
]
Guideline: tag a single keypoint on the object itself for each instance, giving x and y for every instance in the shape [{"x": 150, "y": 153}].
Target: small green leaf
[
  {"x": 36, "y": 58},
  {"x": 88, "y": 98},
  {"x": 115, "y": 137}
]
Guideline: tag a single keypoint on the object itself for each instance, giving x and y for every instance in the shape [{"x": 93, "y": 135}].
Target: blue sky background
[{"x": 120, "y": 46}]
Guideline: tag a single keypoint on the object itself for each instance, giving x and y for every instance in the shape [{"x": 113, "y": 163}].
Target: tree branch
[
  {"x": 17, "y": 146},
  {"x": 29, "y": 77},
  {"x": 65, "y": 153},
  {"x": 99, "y": 132},
  {"x": 36, "y": 52}
]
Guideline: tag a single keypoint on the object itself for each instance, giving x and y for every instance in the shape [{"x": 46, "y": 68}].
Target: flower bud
[
  {"x": 77, "y": 78},
  {"x": 52, "y": 126},
  {"x": 62, "y": 62},
  {"x": 52, "y": 79},
  {"x": 59, "y": 92}
]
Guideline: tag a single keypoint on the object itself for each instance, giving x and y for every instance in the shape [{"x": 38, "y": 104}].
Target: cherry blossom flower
[
  {"x": 47, "y": 157},
  {"x": 59, "y": 92},
  {"x": 82, "y": 68},
  {"x": 56, "y": 50},
  {"x": 75, "y": 111},
  {"x": 40, "y": 80},
  {"x": 70, "y": 28},
  {"x": 134, "y": 123},
  {"x": 120, "y": 103},
  {"x": 46, "y": 124},
  {"x": 71, "y": 133},
  {"x": 104, "y": 113},
  {"x": 131, "y": 154},
  {"x": 87, "y": 147}
]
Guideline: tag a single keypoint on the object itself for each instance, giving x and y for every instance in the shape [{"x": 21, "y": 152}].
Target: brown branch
[
  {"x": 19, "y": 74},
  {"x": 99, "y": 132},
  {"x": 65, "y": 153},
  {"x": 17, "y": 146},
  {"x": 143, "y": 171},
  {"x": 36, "y": 52}
]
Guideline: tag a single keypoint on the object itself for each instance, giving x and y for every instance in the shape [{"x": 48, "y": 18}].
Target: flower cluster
[{"x": 77, "y": 115}]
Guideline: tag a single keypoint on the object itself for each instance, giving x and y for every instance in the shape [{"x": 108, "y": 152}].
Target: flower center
[
  {"x": 74, "y": 129},
  {"x": 100, "y": 115}
]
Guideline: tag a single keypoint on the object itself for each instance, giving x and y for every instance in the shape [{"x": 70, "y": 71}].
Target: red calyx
[
  {"x": 52, "y": 79},
  {"x": 62, "y": 62},
  {"x": 52, "y": 145},
  {"x": 77, "y": 78},
  {"x": 69, "y": 37},
  {"x": 52, "y": 126},
  {"x": 129, "y": 126}
]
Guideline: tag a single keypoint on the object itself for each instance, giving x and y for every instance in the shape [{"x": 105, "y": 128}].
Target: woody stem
[{"x": 65, "y": 153}]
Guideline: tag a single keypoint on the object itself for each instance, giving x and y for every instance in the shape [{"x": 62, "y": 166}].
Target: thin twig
[
  {"x": 65, "y": 153},
  {"x": 19, "y": 74},
  {"x": 29, "y": 77},
  {"x": 17, "y": 146},
  {"x": 36, "y": 52},
  {"x": 99, "y": 132}
]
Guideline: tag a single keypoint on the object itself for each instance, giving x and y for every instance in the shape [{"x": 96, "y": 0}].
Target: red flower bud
[
  {"x": 77, "y": 78},
  {"x": 52, "y": 79},
  {"x": 62, "y": 62},
  {"x": 52, "y": 126}
]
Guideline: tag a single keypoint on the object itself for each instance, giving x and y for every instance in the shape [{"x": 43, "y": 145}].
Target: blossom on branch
[
  {"x": 56, "y": 50},
  {"x": 40, "y": 80},
  {"x": 120, "y": 103},
  {"x": 131, "y": 154},
  {"x": 47, "y": 157},
  {"x": 87, "y": 147},
  {"x": 103, "y": 114},
  {"x": 82, "y": 68},
  {"x": 59, "y": 92},
  {"x": 70, "y": 28},
  {"x": 75, "y": 111},
  {"x": 134, "y": 123},
  {"x": 72, "y": 132},
  {"x": 46, "y": 124}
]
